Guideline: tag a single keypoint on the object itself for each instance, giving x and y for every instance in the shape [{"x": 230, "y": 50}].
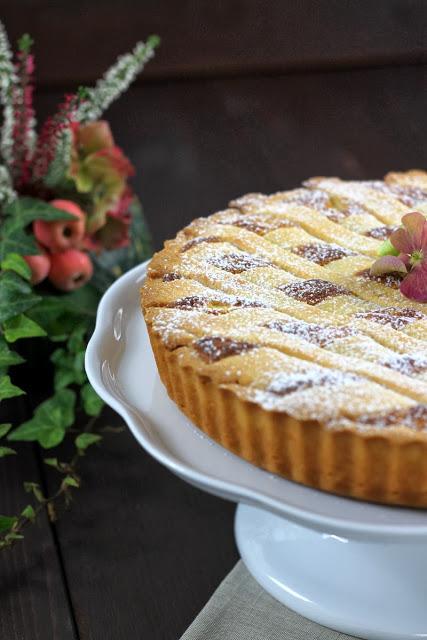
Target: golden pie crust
[{"x": 270, "y": 335}]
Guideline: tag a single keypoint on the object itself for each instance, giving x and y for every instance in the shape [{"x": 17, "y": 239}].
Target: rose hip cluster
[{"x": 60, "y": 258}]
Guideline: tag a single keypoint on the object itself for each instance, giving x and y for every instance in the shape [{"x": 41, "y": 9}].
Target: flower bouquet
[{"x": 69, "y": 225}]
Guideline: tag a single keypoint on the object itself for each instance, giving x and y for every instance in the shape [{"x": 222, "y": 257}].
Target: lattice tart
[{"x": 271, "y": 335}]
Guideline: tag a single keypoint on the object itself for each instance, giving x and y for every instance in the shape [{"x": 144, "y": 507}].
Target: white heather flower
[
  {"x": 8, "y": 81},
  {"x": 115, "y": 81},
  {"x": 7, "y": 193}
]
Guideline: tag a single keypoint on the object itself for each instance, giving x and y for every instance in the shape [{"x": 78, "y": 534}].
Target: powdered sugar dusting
[
  {"x": 321, "y": 335},
  {"x": 313, "y": 291},
  {"x": 322, "y": 253},
  {"x": 396, "y": 317},
  {"x": 283, "y": 384},
  {"x": 407, "y": 364},
  {"x": 244, "y": 294}
]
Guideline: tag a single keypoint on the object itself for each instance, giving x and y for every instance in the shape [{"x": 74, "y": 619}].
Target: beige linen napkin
[{"x": 241, "y": 610}]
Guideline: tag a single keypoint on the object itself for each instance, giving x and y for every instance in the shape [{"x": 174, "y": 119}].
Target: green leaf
[
  {"x": 7, "y": 522},
  {"x": 22, "y": 327},
  {"x": 84, "y": 440},
  {"x": 8, "y": 390},
  {"x": 25, "y": 210},
  {"x": 51, "y": 438},
  {"x": 6, "y": 451},
  {"x": 25, "y": 43},
  {"x": 14, "y": 536},
  {"x": 85, "y": 299},
  {"x": 69, "y": 481},
  {"x": 14, "y": 239},
  {"x": 16, "y": 296},
  {"x": 92, "y": 403},
  {"x": 387, "y": 249},
  {"x": 28, "y": 512},
  {"x": 77, "y": 342},
  {"x": 65, "y": 373},
  {"x": 8, "y": 357},
  {"x": 50, "y": 421},
  {"x": 52, "y": 462},
  {"x": 34, "y": 488},
  {"x": 20, "y": 213},
  {"x": 15, "y": 262},
  {"x": 4, "y": 428},
  {"x": 59, "y": 315}
]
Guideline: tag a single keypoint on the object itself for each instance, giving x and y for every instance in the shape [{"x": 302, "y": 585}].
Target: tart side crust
[
  {"x": 273, "y": 337},
  {"x": 387, "y": 467}
]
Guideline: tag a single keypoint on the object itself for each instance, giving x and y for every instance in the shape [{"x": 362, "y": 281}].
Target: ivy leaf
[
  {"x": 70, "y": 481},
  {"x": 4, "y": 428},
  {"x": 20, "y": 213},
  {"x": 52, "y": 462},
  {"x": 28, "y": 512},
  {"x": 92, "y": 403},
  {"x": 6, "y": 451},
  {"x": 8, "y": 390},
  {"x": 54, "y": 314},
  {"x": 76, "y": 343},
  {"x": 22, "y": 327},
  {"x": 34, "y": 488},
  {"x": 13, "y": 536},
  {"x": 50, "y": 421},
  {"x": 85, "y": 299},
  {"x": 15, "y": 262},
  {"x": 16, "y": 295},
  {"x": 67, "y": 371},
  {"x": 84, "y": 440},
  {"x": 25, "y": 210},
  {"x": 8, "y": 357},
  {"x": 7, "y": 522},
  {"x": 14, "y": 239}
]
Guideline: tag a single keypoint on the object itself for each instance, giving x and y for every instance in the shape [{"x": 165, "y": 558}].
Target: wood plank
[
  {"x": 34, "y": 603},
  {"x": 33, "y": 599},
  {"x": 142, "y": 550},
  {"x": 76, "y": 42}
]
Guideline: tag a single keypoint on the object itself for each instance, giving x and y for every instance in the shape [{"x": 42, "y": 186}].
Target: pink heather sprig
[
  {"x": 51, "y": 133},
  {"x": 24, "y": 120}
]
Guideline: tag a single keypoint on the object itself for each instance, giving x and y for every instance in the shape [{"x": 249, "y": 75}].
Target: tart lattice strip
[
  {"x": 346, "y": 212},
  {"x": 295, "y": 347},
  {"x": 387, "y": 331},
  {"x": 247, "y": 241},
  {"x": 358, "y": 338},
  {"x": 304, "y": 390},
  {"x": 261, "y": 285},
  {"x": 344, "y": 272},
  {"x": 320, "y": 227},
  {"x": 360, "y": 286},
  {"x": 386, "y": 208},
  {"x": 219, "y": 289}
]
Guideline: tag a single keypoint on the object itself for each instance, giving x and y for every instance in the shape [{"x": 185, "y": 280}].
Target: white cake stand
[{"x": 355, "y": 567}]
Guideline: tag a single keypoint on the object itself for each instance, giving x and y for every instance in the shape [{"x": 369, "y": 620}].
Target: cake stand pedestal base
[{"x": 370, "y": 589}]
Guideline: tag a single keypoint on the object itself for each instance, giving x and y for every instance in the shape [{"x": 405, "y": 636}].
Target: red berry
[
  {"x": 39, "y": 265},
  {"x": 61, "y": 234},
  {"x": 70, "y": 269}
]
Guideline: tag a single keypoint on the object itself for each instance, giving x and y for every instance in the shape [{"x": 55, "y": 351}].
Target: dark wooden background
[{"x": 243, "y": 96}]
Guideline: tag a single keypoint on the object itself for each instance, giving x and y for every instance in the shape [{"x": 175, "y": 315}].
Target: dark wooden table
[{"x": 140, "y": 552}]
